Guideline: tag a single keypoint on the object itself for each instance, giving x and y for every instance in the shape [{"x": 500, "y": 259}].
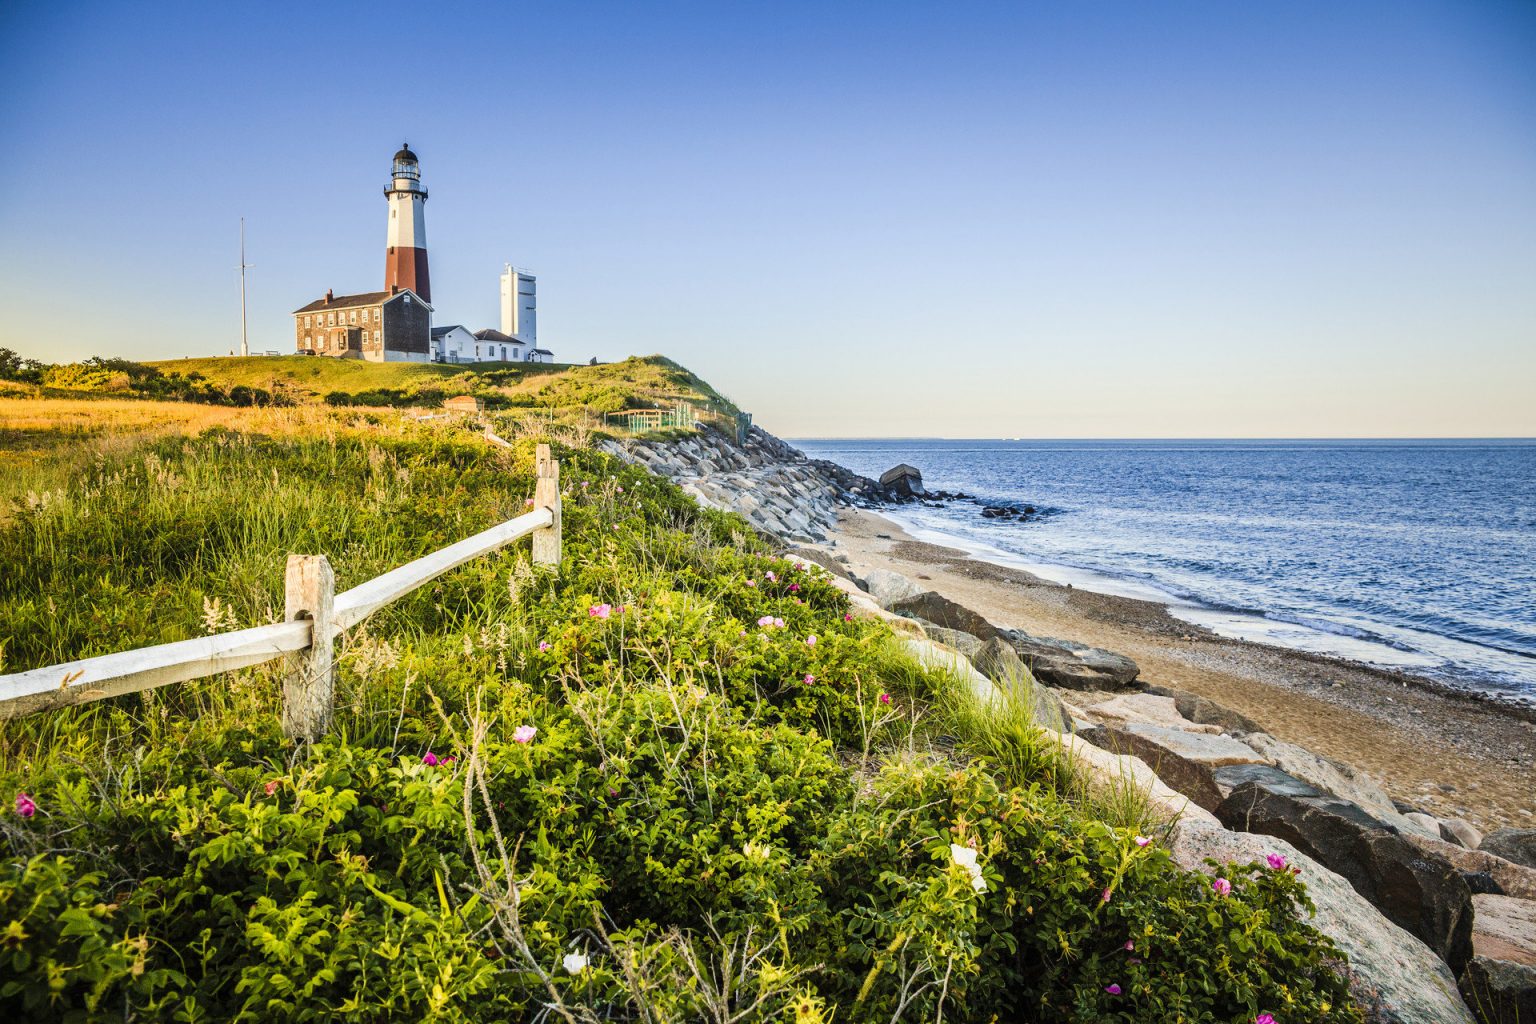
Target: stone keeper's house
[{"x": 379, "y": 326}]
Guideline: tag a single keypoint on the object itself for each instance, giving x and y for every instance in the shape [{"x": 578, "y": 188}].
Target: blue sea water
[{"x": 1419, "y": 555}]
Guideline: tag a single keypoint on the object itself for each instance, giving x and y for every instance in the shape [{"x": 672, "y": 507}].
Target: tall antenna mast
[{"x": 245, "y": 347}]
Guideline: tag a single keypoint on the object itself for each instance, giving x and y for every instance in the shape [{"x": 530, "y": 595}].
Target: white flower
[
  {"x": 966, "y": 858},
  {"x": 575, "y": 963}
]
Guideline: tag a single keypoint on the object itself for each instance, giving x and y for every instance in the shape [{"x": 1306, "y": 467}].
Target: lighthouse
[{"x": 405, "y": 260}]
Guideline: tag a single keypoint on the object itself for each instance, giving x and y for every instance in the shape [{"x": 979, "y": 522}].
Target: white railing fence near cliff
[{"x": 314, "y": 614}]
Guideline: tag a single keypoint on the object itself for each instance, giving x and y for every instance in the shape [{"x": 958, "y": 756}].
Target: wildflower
[
  {"x": 1264, "y": 1018},
  {"x": 25, "y": 805},
  {"x": 1143, "y": 841},
  {"x": 765, "y": 621},
  {"x": 600, "y": 611},
  {"x": 524, "y": 734},
  {"x": 272, "y": 786},
  {"x": 1222, "y": 886},
  {"x": 794, "y": 588},
  {"x": 1133, "y": 960},
  {"x": 810, "y": 641},
  {"x": 1130, "y": 945},
  {"x": 848, "y": 616},
  {"x": 586, "y": 483},
  {"x": 771, "y": 577},
  {"x": 1105, "y": 895},
  {"x": 809, "y": 679},
  {"x": 751, "y": 583},
  {"x": 450, "y": 759},
  {"x": 743, "y": 632},
  {"x": 1276, "y": 861},
  {"x": 528, "y": 502},
  {"x": 575, "y": 963},
  {"x": 429, "y": 759},
  {"x": 621, "y": 489},
  {"x": 544, "y": 645},
  {"x": 885, "y": 698},
  {"x": 966, "y": 858},
  {"x": 799, "y": 565},
  {"x": 778, "y": 623},
  {"x": 1113, "y": 990}
]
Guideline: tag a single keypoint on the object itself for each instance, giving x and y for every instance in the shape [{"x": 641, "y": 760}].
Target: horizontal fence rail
[{"x": 315, "y": 614}]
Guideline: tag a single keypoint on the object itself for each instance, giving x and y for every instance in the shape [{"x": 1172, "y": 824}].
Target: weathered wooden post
[
  {"x": 310, "y": 593},
  {"x": 546, "y": 494}
]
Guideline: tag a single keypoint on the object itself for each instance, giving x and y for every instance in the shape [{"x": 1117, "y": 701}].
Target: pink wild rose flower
[
  {"x": 25, "y": 806},
  {"x": 524, "y": 734},
  {"x": 885, "y": 698},
  {"x": 1222, "y": 886},
  {"x": 429, "y": 759},
  {"x": 600, "y": 611},
  {"x": 1276, "y": 861},
  {"x": 1113, "y": 990},
  {"x": 1264, "y": 1018}
]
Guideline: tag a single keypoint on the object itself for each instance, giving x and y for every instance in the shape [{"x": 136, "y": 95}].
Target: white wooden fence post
[
  {"x": 546, "y": 494},
  {"x": 310, "y": 593}
]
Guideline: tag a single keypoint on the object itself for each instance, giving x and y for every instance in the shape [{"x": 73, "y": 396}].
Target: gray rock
[
  {"x": 1072, "y": 666},
  {"x": 1337, "y": 778},
  {"x": 1203, "y": 711},
  {"x": 1508, "y": 878},
  {"x": 1505, "y": 929},
  {"x": 1391, "y": 974},
  {"x": 999, "y": 663},
  {"x": 888, "y": 588},
  {"x": 1502, "y": 992},
  {"x": 1461, "y": 832},
  {"x": 1416, "y": 890},
  {"x": 1513, "y": 844},
  {"x": 940, "y": 610},
  {"x": 963, "y": 642},
  {"x": 1184, "y": 760}
]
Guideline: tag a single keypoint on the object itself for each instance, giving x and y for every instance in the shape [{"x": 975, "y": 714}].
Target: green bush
[{"x": 736, "y": 800}]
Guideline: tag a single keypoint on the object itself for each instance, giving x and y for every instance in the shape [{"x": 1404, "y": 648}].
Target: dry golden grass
[{"x": 36, "y": 430}]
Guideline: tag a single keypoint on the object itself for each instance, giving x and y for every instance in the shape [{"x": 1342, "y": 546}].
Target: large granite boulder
[
  {"x": 963, "y": 642},
  {"x": 1513, "y": 844},
  {"x": 1203, "y": 711},
  {"x": 1503, "y": 992},
  {"x": 1501, "y": 979},
  {"x": 1417, "y": 890},
  {"x": 941, "y": 611},
  {"x": 998, "y": 663},
  {"x": 1072, "y": 666},
  {"x": 1483, "y": 871},
  {"x": 903, "y": 481},
  {"x": 1340, "y": 779},
  {"x": 1145, "y": 709},
  {"x": 1184, "y": 760},
  {"x": 1391, "y": 974},
  {"x": 887, "y": 587}
]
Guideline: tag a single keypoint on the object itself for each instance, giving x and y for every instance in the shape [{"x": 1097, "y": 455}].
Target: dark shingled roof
[
  {"x": 345, "y": 302},
  {"x": 438, "y": 332},
  {"x": 492, "y": 335}
]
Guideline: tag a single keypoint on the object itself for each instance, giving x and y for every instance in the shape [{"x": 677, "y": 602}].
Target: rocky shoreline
[{"x": 1433, "y": 914}]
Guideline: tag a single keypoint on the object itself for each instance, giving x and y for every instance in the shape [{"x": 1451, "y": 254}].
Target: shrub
[{"x": 672, "y": 778}]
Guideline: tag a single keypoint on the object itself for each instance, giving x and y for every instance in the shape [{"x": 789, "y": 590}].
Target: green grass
[
  {"x": 321, "y": 375},
  {"x": 727, "y": 819}
]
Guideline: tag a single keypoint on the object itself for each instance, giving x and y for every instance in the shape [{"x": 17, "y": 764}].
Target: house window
[
  {"x": 375, "y": 338},
  {"x": 306, "y": 321},
  {"x": 330, "y": 319},
  {"x": 375, "y": 316}
]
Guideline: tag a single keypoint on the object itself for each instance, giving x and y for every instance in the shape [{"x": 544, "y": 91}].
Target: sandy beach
[{"x": 1447, "y": 754}]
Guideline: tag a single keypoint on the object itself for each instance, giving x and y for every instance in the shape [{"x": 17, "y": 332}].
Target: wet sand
[{"x": 1445, "y": 753}]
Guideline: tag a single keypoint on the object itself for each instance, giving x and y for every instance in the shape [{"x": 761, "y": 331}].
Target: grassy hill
[{"x": 636, "y": 382}]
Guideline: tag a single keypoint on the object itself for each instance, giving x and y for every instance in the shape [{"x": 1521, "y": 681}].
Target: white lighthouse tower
[{"x": 405, "y": 261}]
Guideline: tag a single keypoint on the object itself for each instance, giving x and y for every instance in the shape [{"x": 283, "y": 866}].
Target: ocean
[{"x": 1418, "y": 555}]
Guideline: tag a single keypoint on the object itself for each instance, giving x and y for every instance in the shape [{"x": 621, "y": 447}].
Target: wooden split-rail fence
[{"x": 314, "y": 615}]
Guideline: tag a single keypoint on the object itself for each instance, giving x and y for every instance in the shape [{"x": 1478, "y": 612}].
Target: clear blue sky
[{"x": 1108, "y": 219}]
